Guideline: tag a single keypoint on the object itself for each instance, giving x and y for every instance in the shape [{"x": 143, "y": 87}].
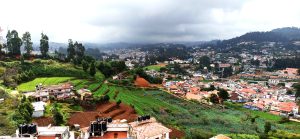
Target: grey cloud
[{"x": 170, "y": 20}]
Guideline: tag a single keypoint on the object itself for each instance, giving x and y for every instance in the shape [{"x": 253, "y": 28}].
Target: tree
[
  {"x": 118, "y": 66},
  {"x": 210, "y": 88},
  {"x": 204, "y": 62},
  {"x": 23, "y": 113},
  {"x": 8, "y": 40},
  {"x": 268, "y": 127},
  {"x": 105, "y": 69},
  {"x": 44, "y": 45},
  {"x": 298, "y": 103},
  {"x": 227, "y": 72},
  {"x": 1, "y": 46},
  {"x": 14, "y": 43},
  {"x": 57, "y": 116},
  {"x": 214, "y": 98},
  {"x": 27, "y": 42},
  {"x": 119, "y": 102},
  {"x": 71, "y": 50},
  {"x": 297, "y": 88},
  {"x": 255, "y": 62},
  {"x": 297, "y": 95},
  {"x": 223, "y": 94},
  {"x": 289, "y": 92},
  {"x": 79, "y": 52},
  {"x": 93, "y": 69},
  {"x": 85, "y": 65}
]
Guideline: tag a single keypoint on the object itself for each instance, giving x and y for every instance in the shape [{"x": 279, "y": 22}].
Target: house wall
[
  {"x": 47, "y": 137},
  {"x": 38, "y": 113},
  {"x": 110, "y": 135},
  {"x": 161, "y": 136}
]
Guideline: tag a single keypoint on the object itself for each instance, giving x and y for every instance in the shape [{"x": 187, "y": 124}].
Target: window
[{"x": 115, "y": 135}]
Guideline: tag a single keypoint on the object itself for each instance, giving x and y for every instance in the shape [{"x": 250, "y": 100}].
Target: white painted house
[{"x": 39, "y": 108}]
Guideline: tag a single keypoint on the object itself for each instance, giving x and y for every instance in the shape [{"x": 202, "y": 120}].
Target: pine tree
[
  {"x": 85, "y": 65},
  {"x": 71, "y": 50},
  {"x": 27, "y": 42},
  {"x": 44, "y": 45},
  {"x": 93, "y": 69}
]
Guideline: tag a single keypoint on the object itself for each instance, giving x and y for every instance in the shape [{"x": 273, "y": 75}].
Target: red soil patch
[
  {"x": 141, "y": 82},
  {"x": 43, "y": 121},
  {"x": 176, "y": 133},
  {"x": 109, "y": 109}
]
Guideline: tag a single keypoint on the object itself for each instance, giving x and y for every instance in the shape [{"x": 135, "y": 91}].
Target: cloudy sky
[{"x": 102, "y": 21}]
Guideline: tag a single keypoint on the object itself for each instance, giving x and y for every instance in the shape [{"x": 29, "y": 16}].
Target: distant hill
[
  {"x": 284, "y": 36},
  {"x": 275, "y": 35},
  {"x": 291, "y": 33}
]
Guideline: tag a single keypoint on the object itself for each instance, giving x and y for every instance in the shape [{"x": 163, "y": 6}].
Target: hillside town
[
  {"x": 270, "y": 96},
  {"x": 150, "y": 69}
]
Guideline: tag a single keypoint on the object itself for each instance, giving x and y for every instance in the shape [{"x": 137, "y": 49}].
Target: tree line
[{"x": 14, "y": 42}]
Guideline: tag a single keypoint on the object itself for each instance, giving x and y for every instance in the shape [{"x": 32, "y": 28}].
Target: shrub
[
  {"x": 119, "y": 102},
  {"x": 268, "y": 127},
  {"x": 284, "y": 120},
  {"x": 200, "y": 134}
]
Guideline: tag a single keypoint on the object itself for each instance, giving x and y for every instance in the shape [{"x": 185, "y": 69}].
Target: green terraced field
[
  {"x": 187, "y": 115},
  {"x": 30, "y": 86}
]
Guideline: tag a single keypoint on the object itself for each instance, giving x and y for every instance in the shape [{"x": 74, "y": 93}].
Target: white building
[
  {"x": 39, "y": 108},
  {"x": 61, "y": 132}
]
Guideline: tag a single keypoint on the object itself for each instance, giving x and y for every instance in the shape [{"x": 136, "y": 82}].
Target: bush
[
  {"x": 119, "y": 102},
  {"x": 284, "y": 120},
  {"x": 243, "y": 136},
  {"x": 268, "y": 127},
  {"x": 283, "y": 134},
  {"x": 199, "y": 134}
]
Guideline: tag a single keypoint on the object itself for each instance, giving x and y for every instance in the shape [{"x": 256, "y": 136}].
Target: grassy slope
[
  {"x": 46, "y": 81},
  {"x": 153, "y": 67},
  {"x": 6, "y": 128},
  {"x": 48, "y": 72}
]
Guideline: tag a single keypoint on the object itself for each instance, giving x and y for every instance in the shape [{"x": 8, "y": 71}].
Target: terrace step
[
  {"x": 117, "y": 112},
  {"x": 109, "y": 108}
]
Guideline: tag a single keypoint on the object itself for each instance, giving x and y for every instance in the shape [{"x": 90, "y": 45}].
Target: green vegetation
[
  {"x": 7, "y": 108},
  {"x": 44, "y": 45},
  {"x": 14, "y": 43},
  {"x": 153, "y": 67},
  {"x": 60, "y": 109},
  {"x": 57, "y": 115},
  {"x": 111, "y": 68},
  {"x": 155, "y": 80},
  {"x": 23, "y": 112},
  {"x": 76, "y": 108},
  {"x": 30, "y": 86},
  {"x": 195, "y": 118}
]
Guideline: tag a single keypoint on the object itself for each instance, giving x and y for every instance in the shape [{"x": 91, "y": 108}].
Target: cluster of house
[
  {"x": 145, "y": 127},
  {"x": 58, "y": 92},
  {"x": 255, "y": 96},
  {"x": 274, "y": 77}
]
